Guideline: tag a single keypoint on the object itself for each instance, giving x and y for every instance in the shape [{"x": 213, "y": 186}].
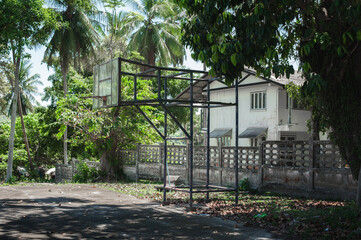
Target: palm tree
[
  {"x": 73, "y": 42},
  {"x": 25, "y": 98},
  {"x": 28, "y": 89},
  {"x": 114, "y": 34},
  {"x": 156, "y": 32}
]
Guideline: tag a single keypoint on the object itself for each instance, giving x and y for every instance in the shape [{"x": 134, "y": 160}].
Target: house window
[
  {"x": 224, "y": 141},
  {"x": 288, "y": 137},
  {"x": 258, "y": 100}
]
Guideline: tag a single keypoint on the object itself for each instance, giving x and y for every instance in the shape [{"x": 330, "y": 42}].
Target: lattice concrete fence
[
  {"x": 307, "y": 168},
  {"x": 65, "y": 172}
]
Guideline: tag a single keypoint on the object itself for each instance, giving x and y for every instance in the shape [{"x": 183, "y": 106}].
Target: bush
[
  {"x": 244, "y": 185},
  {"x": 85, "y": 174}
]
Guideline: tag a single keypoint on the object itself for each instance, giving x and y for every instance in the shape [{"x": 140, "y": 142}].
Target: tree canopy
[
  {"x": 156, "y": 33},
  {"x": 324, "y": 36}
]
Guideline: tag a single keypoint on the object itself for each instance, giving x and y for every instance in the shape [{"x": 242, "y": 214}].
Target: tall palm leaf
[
  {"x": 156, "y": 32},
  {"x": 114, "y": 36},
  {"x": 28, "y": 88},
  {"x": 73, "y": 42}
]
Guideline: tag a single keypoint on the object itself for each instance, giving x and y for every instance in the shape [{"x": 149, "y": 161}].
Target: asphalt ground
[{"x": 78, "y": 211}]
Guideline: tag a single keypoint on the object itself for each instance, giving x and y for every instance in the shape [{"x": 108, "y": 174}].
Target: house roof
[
  {"x": 198, "y": 86},
  {"x": 220, "y": 132},
  {"x": 295, "y": 78},
  {"x": 252, "y": 132}
]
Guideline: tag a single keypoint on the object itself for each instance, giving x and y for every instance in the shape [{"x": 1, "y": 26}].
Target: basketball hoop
[{"x": 106, "y": 84}]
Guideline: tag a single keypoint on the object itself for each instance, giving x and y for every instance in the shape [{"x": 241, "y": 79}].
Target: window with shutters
[{"x": 258, "y": 101}]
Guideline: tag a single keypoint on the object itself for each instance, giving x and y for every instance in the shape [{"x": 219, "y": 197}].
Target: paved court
[{"x": 49, "y": 211}]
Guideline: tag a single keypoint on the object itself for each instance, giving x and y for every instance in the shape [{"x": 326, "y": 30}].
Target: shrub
[
  {"x": 85, "y": 174},
  {"x": 244, "y": 185}
]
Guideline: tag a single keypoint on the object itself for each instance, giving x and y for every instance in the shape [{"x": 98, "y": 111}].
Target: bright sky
[{"x": 45, "y": 72}]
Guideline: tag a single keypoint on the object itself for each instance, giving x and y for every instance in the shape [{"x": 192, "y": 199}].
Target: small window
[
  {"x": 258, "y": 100},
  {"x": 288, "y": 137}
]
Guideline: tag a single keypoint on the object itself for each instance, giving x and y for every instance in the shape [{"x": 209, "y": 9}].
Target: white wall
[{"x": 270, "y": 118}]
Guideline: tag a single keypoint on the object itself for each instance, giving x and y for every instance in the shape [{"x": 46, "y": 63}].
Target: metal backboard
[{"x": 106, "y": 84}]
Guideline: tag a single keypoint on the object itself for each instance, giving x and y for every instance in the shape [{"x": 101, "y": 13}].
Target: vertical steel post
[
  {"x": 135, "y": 88},
  {"x": 236, "y": 151},
  {"x": 119, "y": 81},
  {"x": 208, "y": 131},
  {"x": 191, "y": 143},
  {"x": 165, "y": 144},
  {"x": 159, "y": 90}
]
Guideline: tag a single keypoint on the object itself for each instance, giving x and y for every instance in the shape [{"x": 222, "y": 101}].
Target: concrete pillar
[
  {"x": 137, "y": 159},
  {"x": 220, "y": 165}
]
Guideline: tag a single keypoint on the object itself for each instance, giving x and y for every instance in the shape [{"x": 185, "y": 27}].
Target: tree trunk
[
  {"x": 24, "y": 133},
  {"x": 9, "y": 169},
  {"x": 65, "y": 87},
  {"x": 109, "y": 164},
  {"x": 358, "y": 197},
  {"x": 315, "y": 127}
]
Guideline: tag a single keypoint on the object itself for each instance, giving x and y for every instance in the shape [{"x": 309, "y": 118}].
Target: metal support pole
[
  {"x": 236, "y": 151},
  {"x": 159, "y": 91},
  {"x": 119, "y": 81},
  {"x": 208, "y": 131},
  {"x": 135, "y": 88},
  {"x": 191, "y": 142},
  {"x": 165, "y": 163}
]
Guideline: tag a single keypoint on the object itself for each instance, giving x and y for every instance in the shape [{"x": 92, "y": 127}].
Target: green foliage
[
  {"x": 41, "y": 133},
  {"x": 27, "y": 84},
  {"x": 244, "y": 185},
  {"x": 24, "y": 23},
  {"x": 155, "y": 31},
  {"x": 106, "y": 127},
  {"x": 76, "y": 38},
  {"x": 86, "y": 174}
]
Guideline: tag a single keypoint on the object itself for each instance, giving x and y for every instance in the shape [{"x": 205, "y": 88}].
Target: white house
[
  {"x": 264, "y": 113},
  {"x": 265, "y": 110}
]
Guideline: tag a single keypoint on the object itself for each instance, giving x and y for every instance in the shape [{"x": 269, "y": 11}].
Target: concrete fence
[
  {"x": 300, "y": 167},
  {"x": 65, "y": 172}
]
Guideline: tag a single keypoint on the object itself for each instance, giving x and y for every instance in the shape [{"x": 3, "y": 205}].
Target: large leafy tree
[
  {"x": 73, "y": 42},
  {"x": 156, "y": 32},
  {"x": 23, "y": 23},
  {"x": 103, "y": 131},
  {"x": 324, "y": 36}
]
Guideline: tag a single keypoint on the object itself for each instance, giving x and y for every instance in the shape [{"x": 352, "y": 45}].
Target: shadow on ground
[{"x": 80, "y": 213}]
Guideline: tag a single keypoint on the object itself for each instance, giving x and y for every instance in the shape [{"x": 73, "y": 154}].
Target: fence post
[
  {"x": 72, "y": 163},
  {"x": 260, "y": 168},
  {"x": 161, "y": 152},
  {"x": 312, "y": 164},
  {"x": 137, "y": 159},
  {"x": 220, "y": 165}
]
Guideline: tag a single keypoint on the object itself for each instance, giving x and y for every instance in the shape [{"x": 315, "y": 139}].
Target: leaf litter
[{"x": 281, "y": 215}]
